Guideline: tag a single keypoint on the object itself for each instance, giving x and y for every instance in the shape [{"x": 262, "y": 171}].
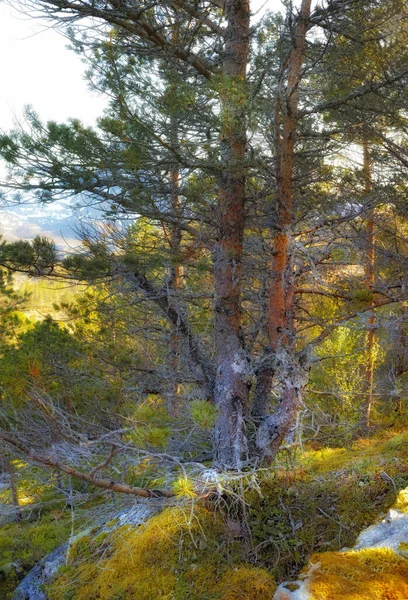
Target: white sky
[{"x": 37, "y": 68}]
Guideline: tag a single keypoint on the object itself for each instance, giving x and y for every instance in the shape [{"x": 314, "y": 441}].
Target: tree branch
[
  {"x": 133, "y": 23},
  {"x": 48, "y": 461}
]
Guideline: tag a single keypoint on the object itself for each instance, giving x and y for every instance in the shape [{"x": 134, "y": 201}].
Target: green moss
[
  {"x": 112, "y": 522},
  {"x": 23, "y": 544},
  {"x": 388, "y": 447},
  {"x": 403, "y": 549},
  {"x": 175, "y": 555},
  {"x": 247, "y": 583}
]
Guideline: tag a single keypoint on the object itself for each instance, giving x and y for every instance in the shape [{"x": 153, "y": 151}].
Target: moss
[
  {"x": 326, "y": 500},
  {"x": 401, "y": 502},
  {"x": 293, "y": 519},
  {"x": 403, "y": 549},
  {"x": 371, "y": 574},
  {"x": 175, "y": 555},
  {"x": 389, "y": 446},
  {"x": 23, "y": 544},
  {"x": 247, "y": 583},
  {"x": 112, "y": 522},
  {"x": 292, "y": 587}
]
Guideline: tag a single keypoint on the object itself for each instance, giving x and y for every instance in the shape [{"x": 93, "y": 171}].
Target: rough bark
[
  {"x": 290, "y": 377},
  {"x": 288, "y": 372},
  {"x": 399, "y": 364},
  {"x": 176, "y": 268},
  {"x": 369, "y": 279},
  {"x": 175, "y": 283},
  {"x": 231, "y": 383}
]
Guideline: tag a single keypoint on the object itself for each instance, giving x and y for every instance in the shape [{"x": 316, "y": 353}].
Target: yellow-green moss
[
  {"x": 23, "y": 544},
  {"x": 326, "y": 500},
  {"x": 370, "y": 574},
  {"x": 389, "y": 446},
  {"x": 247, "y": 583},
  {"x": 401, "y": 502},
  {"x": 403, "y": 549},
  {"x": 176, "y": 555}
]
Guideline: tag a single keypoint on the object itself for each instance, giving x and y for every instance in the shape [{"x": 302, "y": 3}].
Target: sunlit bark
[
  {"x": 287, "y": 371},
  {"x": 369, "y": 277}
]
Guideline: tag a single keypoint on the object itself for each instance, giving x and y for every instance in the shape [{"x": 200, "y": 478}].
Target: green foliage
[
  {"x": 184, "y": 488},
  {"x": 337, "y": 380},
  {"x": 151, "y": 422},
  {"x": 43, "y": 352},
  {"x": 363, "y": 295},
  {"x": 94, "y": 264},
  {"x": 204, "y": 413},
  {"x": 24, "y": 543},
  {"x": 12, "y": 321},
  {"x": 36, "y": 258}
]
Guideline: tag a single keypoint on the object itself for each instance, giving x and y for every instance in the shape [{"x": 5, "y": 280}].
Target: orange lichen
[{"x": 370, "y": 574}]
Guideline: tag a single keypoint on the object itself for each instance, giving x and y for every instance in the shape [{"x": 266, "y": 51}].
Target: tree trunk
[
  {"x": 399, "y": 364},
  {"x": 9, "y": 469},
  {"x": 288, "y": 371},
  {"x": 176, "y": 269},
  {"x": 369, "y": 277},
  {"x": 175, "y": 283},
  {"x": 231, "y": 383}
]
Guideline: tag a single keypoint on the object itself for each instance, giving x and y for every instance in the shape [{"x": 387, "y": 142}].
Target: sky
[{"x": 37, "y": 69}]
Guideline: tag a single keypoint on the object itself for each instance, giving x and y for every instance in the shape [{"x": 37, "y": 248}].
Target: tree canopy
[{"x": 252, "y": 177}]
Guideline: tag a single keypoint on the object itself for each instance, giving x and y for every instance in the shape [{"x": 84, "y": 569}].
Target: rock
[
  {"x": 390, "y": 534},
  {"x": 30, "y": 587},
  {"x": 296, "y": 590}
]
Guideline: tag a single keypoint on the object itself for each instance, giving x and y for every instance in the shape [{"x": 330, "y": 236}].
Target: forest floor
[{"x": 262, "y": 533}]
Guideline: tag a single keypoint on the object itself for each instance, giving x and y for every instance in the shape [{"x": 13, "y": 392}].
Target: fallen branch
[{"x": 121, "y": 488}]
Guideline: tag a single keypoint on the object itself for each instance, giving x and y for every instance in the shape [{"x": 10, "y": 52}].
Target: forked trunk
[
  {"x": 288, "y": 373},
  {"x": 290, "y": 377}
]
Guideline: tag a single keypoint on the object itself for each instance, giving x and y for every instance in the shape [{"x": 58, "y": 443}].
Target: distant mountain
[{"x": 60, "y": 221}]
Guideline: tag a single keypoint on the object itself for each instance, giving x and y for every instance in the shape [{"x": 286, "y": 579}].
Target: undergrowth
[
  {"x": 237, "y": 549},
  {"x": 24, "y": 543},
  {"x": 176, "y": 555}
]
